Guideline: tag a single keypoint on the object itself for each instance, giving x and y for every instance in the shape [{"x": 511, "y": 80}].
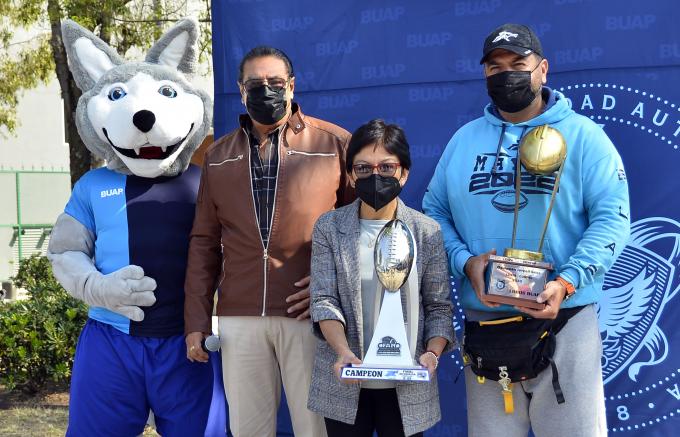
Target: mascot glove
[{"x": 122, "y": 291}]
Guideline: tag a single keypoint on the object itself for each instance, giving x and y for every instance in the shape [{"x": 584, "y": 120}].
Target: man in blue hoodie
[{"x": 472, "y": 197}]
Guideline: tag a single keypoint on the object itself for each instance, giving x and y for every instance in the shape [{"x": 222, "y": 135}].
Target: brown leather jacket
[{"x": 226, "y": 249}]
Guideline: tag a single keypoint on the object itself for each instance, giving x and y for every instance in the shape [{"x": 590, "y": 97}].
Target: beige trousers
[{"x": 258, "y": 354}]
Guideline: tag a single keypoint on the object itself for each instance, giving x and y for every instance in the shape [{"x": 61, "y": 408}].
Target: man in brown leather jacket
[{"x": 262, "y": 189}]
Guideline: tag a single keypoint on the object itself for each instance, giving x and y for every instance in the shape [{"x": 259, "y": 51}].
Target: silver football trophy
[
  {"x": 389, "y": 356},
  {"x": 519, "y": 276}
]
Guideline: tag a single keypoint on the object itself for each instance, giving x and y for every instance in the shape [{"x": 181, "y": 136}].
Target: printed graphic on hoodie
[{"x": 498, "y": 181}]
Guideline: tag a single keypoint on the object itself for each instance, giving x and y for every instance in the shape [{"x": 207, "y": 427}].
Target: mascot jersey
[{"x": 144, "y": 222}]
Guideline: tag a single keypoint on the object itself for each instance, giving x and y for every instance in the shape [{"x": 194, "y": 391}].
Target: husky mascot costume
[{"x": 121, "y": 244}]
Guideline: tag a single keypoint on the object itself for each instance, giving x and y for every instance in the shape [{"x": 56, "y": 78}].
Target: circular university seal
[{"x": 640, "y": 363}]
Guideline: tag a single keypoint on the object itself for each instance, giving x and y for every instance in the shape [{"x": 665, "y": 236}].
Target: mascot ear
[
  {"x": 177, "y": 48},
  {"x": 89, "y": 57}
]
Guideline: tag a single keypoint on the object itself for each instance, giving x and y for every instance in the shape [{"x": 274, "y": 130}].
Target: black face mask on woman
[
  {"x": 265, "y": 105},
  {"x": 377, "y": 191},
  {"x": 511, "y": 91}
]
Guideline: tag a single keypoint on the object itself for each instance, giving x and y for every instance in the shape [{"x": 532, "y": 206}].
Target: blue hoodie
[{"x": 590, "y": 222}]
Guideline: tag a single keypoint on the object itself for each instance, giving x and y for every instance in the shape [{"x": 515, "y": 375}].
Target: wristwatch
[{"x": 568, "y": 285}]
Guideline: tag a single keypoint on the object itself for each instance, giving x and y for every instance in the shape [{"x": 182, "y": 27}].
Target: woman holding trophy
[{"x": 380, "y": 299}]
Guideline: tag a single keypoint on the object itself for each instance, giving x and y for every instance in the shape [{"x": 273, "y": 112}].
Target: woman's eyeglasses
[
  {"x": 275, "y": 83},
  {"x": 385, "y": 169}
]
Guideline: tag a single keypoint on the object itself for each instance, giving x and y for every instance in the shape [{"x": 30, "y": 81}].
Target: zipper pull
[
  {"x": 265, "y": 256},
  {"x": 480, "y": 379},
  {"x": 507, "y": 400}
]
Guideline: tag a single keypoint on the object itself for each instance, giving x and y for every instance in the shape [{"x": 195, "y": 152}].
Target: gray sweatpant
[{"x": 577, "y": 356}]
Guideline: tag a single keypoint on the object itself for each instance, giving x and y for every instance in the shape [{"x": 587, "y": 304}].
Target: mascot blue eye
[
  {"x": 167, "y": 91},
  {"x": 117, "y": 93}
]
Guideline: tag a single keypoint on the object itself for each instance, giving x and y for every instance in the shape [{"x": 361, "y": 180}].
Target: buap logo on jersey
[{"x": 641, "y": 351}]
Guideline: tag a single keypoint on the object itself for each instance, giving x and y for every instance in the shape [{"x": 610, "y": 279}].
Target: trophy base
[
  {"x": 522, "y": 254},
  {"x": 515, "y": 281},
  {"x": 404, "y": 373}
]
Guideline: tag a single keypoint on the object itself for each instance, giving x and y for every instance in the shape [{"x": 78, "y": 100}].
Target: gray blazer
[{"x": 336, "y": 295}]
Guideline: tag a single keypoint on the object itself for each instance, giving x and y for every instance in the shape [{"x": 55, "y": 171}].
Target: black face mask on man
[
  {"x": 377, "y": 190},
  {"x": 265, "y": 105},
  {"x": 511, "y": 91}
]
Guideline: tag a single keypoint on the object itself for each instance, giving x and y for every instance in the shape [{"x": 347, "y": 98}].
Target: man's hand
[
  {"x": 474, "y": 270},
  {"x": 345, "y": 358},
  {"x": 552, "y": 295},
  {"x": 195, "y": 350},
  {"x": 301, "y": 299}
]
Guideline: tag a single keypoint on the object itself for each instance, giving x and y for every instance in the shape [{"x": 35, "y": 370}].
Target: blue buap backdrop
[{"x": 416, "y": 64}]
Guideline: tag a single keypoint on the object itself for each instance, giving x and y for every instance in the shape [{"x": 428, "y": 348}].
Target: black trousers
[{"x": 378, "y": 411}]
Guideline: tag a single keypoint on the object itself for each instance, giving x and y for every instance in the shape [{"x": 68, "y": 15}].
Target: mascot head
[{"x": 143, "y": 118}]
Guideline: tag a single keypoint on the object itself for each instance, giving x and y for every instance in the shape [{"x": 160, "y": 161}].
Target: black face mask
[
  {"x": 377, "y": 191},
  {"x": 511, "y": 91},
  {"x": 265, "y": 105}
]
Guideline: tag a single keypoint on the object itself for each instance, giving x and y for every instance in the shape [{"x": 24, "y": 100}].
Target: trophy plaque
[
  {"x": 520, "y": 275},
  {"x": 388, "y": 356}
]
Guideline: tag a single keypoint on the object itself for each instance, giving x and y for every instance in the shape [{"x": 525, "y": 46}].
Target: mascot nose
[{"x": 144, "y": 120}]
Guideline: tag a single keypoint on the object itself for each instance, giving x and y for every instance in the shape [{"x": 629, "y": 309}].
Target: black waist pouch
[{"x": 516, "y": 348}]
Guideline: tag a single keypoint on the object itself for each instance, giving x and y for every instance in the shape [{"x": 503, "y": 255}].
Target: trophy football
[
  {"x": 389, "y": 356},
  {"x": 520, "y": 275}
]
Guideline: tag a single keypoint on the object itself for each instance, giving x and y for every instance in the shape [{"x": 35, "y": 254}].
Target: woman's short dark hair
[
  {"x": 261, "y": 52},
  {"x": 377, "y": 132}
]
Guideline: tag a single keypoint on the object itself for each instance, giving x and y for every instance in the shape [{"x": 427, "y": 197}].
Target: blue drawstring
[{"x": 498, "y": 149}]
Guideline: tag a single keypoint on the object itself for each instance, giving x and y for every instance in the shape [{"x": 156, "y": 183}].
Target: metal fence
[{"x": 30, "y": 201}]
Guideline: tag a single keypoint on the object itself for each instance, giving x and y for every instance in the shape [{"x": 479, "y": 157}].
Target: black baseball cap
[{"x": 517, "y": 38}]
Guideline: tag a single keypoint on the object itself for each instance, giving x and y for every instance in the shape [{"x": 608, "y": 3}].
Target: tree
[{"x": 123, "y": 24}]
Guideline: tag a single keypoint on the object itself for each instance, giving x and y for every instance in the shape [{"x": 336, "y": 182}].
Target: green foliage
[
  {"x": 39, "y": 334},
  {"x": 124, "y": 24},
  {"x": 27, "y": 69},
  {"x": 22, "y": 13}
]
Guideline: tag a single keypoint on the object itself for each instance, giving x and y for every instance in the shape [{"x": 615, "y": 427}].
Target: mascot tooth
[{"x": 121, "y": 244}]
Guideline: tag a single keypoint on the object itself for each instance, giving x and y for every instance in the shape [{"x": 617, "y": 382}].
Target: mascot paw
[{"x": 124, "y": 291}]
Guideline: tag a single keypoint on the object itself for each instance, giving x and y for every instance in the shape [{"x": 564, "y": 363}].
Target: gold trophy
[{"x": 520, "y": 275}]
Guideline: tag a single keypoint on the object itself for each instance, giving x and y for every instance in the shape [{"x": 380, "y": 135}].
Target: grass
[
  {"x": 33, "y": 421},
  {"x": 44, "y": 414}
]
